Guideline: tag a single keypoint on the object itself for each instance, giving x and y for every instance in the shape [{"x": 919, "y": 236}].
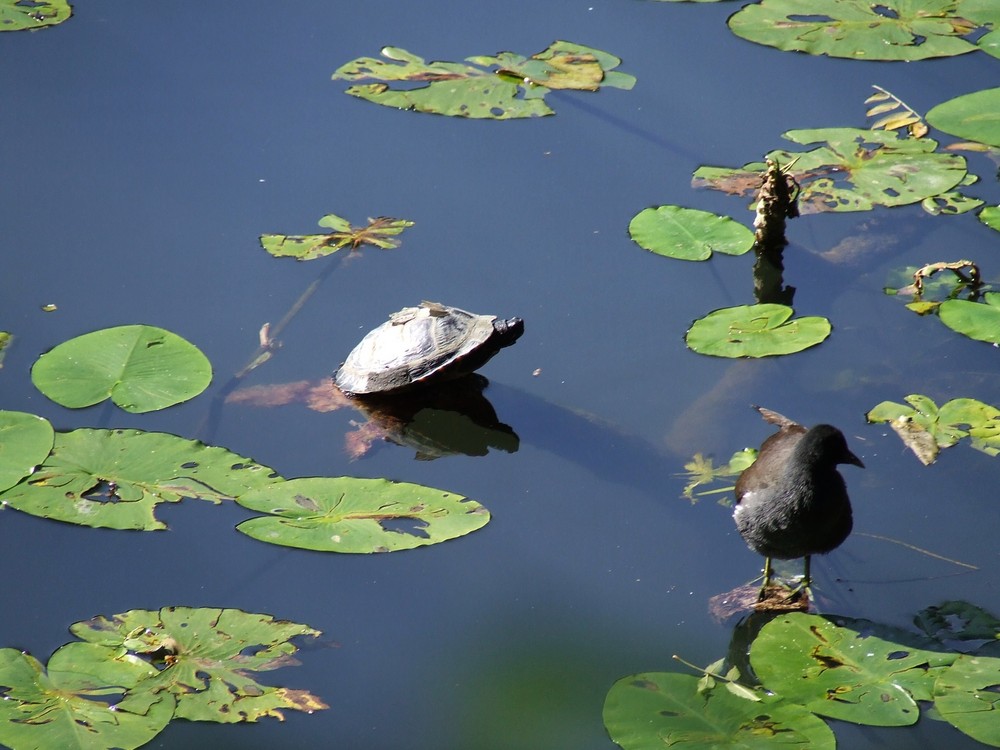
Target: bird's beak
[{"x": 852, "y": 459}]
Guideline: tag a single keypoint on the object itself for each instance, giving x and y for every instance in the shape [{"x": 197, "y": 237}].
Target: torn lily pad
[
  {"x": 862, "y": 30},
  {"x": 209, "y": 658},
  {"x": 926, "y": 428},
  {"x": 854, "y": 170},
  {"x": 382, "y": 232},
  {"x": 764, "y": 330},
  {"x": 346, "y": 514},
  {"x": 114, "y": 479},
  {"x": 506, "y": 86},
  {"x": 87, "y": 696}
]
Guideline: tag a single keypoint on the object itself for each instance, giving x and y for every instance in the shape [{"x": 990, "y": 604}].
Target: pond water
[{"x": 148, "y": 145}]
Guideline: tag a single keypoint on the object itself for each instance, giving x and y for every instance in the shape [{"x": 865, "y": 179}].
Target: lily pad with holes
[
  {"x": 346, "y": 514},
  {"x": 854, "y": 170},
  {"x": 18, "y": 15},
  {"x": 25, "y": 441},
  {"x": 115, "y": 478},
  {"x": 88, "y": 696},
  {"x": 926, "y": 428},
  {"x": 506, "y": 86},
  {"x": 660, "y": 709},
  {"x": 863, "y": 30},
  {"x": 975, "y": 116},
  {"x": 853, "y": 670},
  {"x": 755, "y": 331},
  {"x": 687, "y": 233},
  {"x": 382, "y": 232},
  {"x": 210, "y": 658},
  {"x": 141, "y": 368},
  {"x": 977, "y": 320},
  {"x": 967, "y": 696}
]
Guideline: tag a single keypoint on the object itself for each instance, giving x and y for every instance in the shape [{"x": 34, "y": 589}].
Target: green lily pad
[
  {"x": 115, "y": 478},
  {"x": 854, "y": 170},
  {"x": 382, "y": 232},
  {"x": 687, "y": 233},
  {"x": 210, "y": 657},
  {"x": 755, "y": 331},
  {"x": 5, "y": 341},
  {"x": 967, "y": 696},
  {"x": 346, "y": 514},
  {"x": 25, "y": 441},
  {"x": 974, "y": 319},
  {"x": 847, "y": 671},
  {"x": 862, "y": 30},
  {"x": 141, "y": 368},
  {"x": 990, "y": 216},
  {"x": 975, "y": 116},
  {"x": 88, "y": 697},
  {"x": 958, "y": 621},
  {"x": 656, "y": 710},
  {"x": 508, "y": 85},
  {"x": 17, "y": 15},
  {"x": 925, "y": 428}
]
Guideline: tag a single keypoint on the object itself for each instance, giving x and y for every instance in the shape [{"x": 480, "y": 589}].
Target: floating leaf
[
  {"x": 513, "y": 89},
  {"x": 863, "y": 30},
  {"x": 991, "y": 217},
  {"x": 141, "y": 368},
  {"x": 846, "y": 671},
  {"x": 854, "y": 171},
  {"x": 116, "y": 478},
  {"x": 958, "y": 620},
  {"x": 5, "y": 340},
  {"x": 755, "y": 331},
  {"x": 688, "y": 234},
  {"x": 88, "y": 697},
  {"x": 655, "y": 710},
  {"x": 210, "y": 656},
  {"x": 17, "y": 15},
  {"x": 382, "y": 232},
  {"x": 25, "y": 441},
  {"x": 967, "y": 695},
  {"x": 974, "y": 319},
  {"x": 975, "y": 116},
  {"x": 345, "y": 514},
  {"x": 700, "y": 471},
  {"x": 956, "y": 419}
]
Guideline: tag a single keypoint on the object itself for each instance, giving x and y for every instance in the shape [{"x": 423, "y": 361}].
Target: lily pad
[
  {"x": 990, "y": 216},
  {"x": 508, "y": 85},
  {"x": 88, "y": 697},
  {"x": 115, "y": 478},
  {"x": 142, "y": 368},
  {"x": 974, "y": 319},
  {"x": 863, "y": 30},
  {"x": 967, "y": 695},
  {"x": 854, "y": 170},
  {"x": 975, "y": 116},
  {"x": 382, "y": 232},
  {"x": 25, "y": 441},
  {"x": 687, "y": 233},
  {"x": 17, "y": 15},
  {"x": 346, "y": 514},
  {"x": 958, "y": 621},
  {"x": 924, "y": 427},
  {"x": 755, "y": 331},
  {"x": 847, "y": 671},
  {"x": 655, "y": 710},
  {"x": 5, "y": 341},
  {"x": 210, "y": 657}
]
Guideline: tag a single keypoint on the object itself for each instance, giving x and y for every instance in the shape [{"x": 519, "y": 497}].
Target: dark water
[{"x": 147, "y": 146}]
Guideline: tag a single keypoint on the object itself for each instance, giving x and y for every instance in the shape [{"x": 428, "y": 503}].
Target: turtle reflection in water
[{"x": 423, "y": 345}]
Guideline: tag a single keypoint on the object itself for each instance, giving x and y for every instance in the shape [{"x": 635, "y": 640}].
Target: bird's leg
[
  {"x": 806, "y": 581},
  {"x": 767, "y": 579}
]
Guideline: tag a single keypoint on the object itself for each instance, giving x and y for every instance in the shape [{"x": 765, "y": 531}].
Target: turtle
[{"x": 421, "y": 345}]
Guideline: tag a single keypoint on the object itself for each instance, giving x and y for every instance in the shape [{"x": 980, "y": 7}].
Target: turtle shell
[{"x": 421, "y": 344}]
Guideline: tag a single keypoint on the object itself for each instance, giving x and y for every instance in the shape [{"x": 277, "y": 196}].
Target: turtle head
[{"x": 506, "y": 332}]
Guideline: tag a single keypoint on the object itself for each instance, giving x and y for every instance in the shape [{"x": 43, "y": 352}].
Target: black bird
[{"x": 792, "y": 502}]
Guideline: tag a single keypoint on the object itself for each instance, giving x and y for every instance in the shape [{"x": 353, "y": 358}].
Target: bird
[{"x": 792, "y": 502}]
